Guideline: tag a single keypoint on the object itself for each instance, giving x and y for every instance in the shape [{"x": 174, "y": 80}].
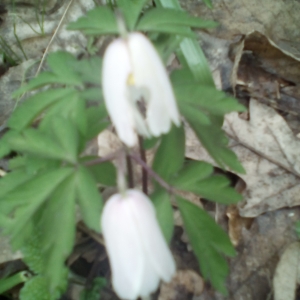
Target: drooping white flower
[
  {"x": 132, "y": 70},
  {"x": 138, "y": 253}
]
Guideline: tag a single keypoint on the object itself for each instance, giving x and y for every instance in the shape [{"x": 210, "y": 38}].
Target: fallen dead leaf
[
  {"x": 184, "y": 285},
  {"x": 287, "y": 273}
]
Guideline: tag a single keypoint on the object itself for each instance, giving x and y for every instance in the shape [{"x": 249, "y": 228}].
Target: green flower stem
[{"x": 8, "y": 283}]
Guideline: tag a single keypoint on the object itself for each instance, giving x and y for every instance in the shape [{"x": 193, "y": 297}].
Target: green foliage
[
  {"x": 37, "y": 289},
  {"x": 164, "y": 212},
  {"x": 131, "y": 11},
  {"x": 171, "y": 21},
  {"x": 104, "y": 174},
  {"x": 89, "y": 199},
  {"x": 12, "y": 281},
  {"x": 190, "y": 53},
  {"x": 51, "y": 173},
  {"x": 93, "y": 293},
  {"x": 204, "y": 108},
  {"x": 169, "y": 156},
  {"x": 209, "y": 243},
  {"x": 98, "y": 21}
]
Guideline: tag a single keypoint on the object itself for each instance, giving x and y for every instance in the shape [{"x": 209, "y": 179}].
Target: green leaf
[
  {"x": 30, "y": 193},
  {"x": 35, "y": 142},
  {"x": 57, "y": 223},
  {"x": 131, "y": 10},
  {"x": 89, "y": 69},
  {"x": 26, "y": 113},
  {"x": 89, "y": 199},
  {"x": 166, "y": 44},
  {"x": 62, "y": 73},
  {"x": 104, "y": 173},
  {"x": 66, "y": 135},
  {"x": 206, "y": 98},
  {"x": 169, "y": 29},
  {"x": 12, "y": 180},
  {"x": 214, "y": 140},
  {"x": 93, "y": 94},
  {"x": 164, "y": 213},
  {"x": 191, "y": 173},
  {"x": 169, "y": 156},
  {"x": 97, "y": 119},
  {"x": 37, "y": 288},
  {"x": 98, "y": 21},
  {"x": 5, "y": 148},
  {"x": 209, "y": 243},
  {"x": 215, "y": 188},
  {"x": 32, "y": 252},
  {"x": 72, "y": 108},
  {"x": 92, "y": 293},
  {"x": 208, "y": 3},
  {"x": 61, "y": 64},
  {"x": 8, "y": 283},
  {"x": 159, "y": 17},
  {"x": 191, "y": 54}
]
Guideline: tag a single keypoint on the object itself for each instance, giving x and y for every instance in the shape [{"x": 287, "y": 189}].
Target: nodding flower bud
[
  {"x": 137, "y": 90},
  {"x": 138, "y": 253}
]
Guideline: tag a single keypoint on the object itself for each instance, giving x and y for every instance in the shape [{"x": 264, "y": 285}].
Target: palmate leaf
[
  {"x": 61, "y": 72},
  {"x": 98, "y": 21},
  {"x": 37, "y": 289},
  {"x": 190, "y": 53},
  {"x": 191, "y": 173},
  {"x": 57, "y": 223},
  {"x": 164, "y": 212},
  {"x": 169, "y": 156},
  {"x": 72, "y": 108},
  {"x": 89, "y": 199},
  {"x": 206, "y": 98},
  {"x": 104, "y": 173},
  {"x": 208, "y": 241},
  {"x": 196, "y": 177},
  {"x": 25, "y": 114},
  {"x": 34, "y": 142},
  {"x": 159, "y": 17},
  {"x": 89, "y": 69},
  {"x": 131, "y": 10},
  {"x": 214, "y": 140},
  {"x": 97, "y": 118},
  {"x": 29, "y": 192}
]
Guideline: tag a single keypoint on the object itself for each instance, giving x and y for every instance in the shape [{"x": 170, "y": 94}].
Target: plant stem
[
  {"x": 144, "y": 171},
  {"x": 163, "y": 183},
  {"x": 8, "y": 283},
  {"x": 101, "y": 159},
  {"x": 129, "y": 172}
]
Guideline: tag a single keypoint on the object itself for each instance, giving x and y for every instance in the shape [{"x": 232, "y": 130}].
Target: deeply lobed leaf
[{"x": 208, "y": 241}]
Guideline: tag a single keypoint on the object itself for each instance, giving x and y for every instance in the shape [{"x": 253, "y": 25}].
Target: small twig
[
  {"x": 144, "y": 171},
  {"x": 129, "y": 172},
  {"x": 53, "y": 37},
  {"x": 101, "y": 159},
  {"x": 163, "y": 183}
]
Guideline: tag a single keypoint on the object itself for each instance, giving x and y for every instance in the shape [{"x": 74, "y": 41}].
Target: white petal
[
  {"x": 124, "y": 247},
  {"x": 151, "y": 236},
  {"x": 115, "y": 73},
  {"x": 149, "y": 72}
]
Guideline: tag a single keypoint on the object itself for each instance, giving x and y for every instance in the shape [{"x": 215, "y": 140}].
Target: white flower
[
  {"x": 138, "y": 253},
  {"x": 132, "y": 70}
]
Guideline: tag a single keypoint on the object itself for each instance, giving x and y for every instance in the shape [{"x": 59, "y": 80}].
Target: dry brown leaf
[
  {"x": 236, "y": 224},
  {"x": 184, "y": 285},
  {"x": 287, "y": 273},
  {"x": 268, "y": 150},
  {"x": 275, "y": 18}
]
